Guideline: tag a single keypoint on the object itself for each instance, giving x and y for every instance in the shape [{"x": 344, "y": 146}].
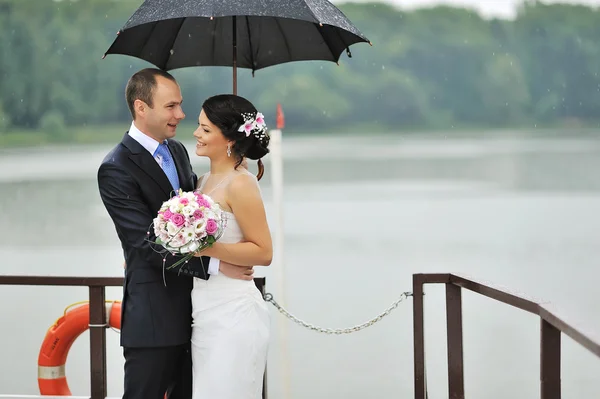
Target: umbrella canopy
[{"x": 250, "y": 34}]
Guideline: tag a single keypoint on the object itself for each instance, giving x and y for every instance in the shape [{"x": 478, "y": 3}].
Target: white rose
[
  {"x": 199, "y": 227},
  {"x": 172, "y": 229},
  {"x": 176, "y": 207},
  {"x": 189, "y": 196},
  {"x": 188, "y": 210},
  {"x": 188, "y": 234}
]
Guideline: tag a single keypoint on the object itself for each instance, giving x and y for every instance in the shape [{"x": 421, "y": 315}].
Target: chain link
[{"x": 282, "y": 310}]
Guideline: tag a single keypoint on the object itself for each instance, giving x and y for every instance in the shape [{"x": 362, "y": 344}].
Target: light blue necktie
[{"x": 167, "y": 164}]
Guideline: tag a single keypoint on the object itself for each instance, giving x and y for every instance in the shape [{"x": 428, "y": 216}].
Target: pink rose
[
  {"x": 198, "y": 214},
  {"x": 211, "y": 226},
  {"x": 168, "y": 214},
  {"x": 178, "y": 220},
  {"x": 184, "y": 201},
  {"x": 203, "y": 202}
]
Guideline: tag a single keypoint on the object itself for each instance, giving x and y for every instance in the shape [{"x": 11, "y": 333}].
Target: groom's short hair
[{"x": 141, "y": 85}]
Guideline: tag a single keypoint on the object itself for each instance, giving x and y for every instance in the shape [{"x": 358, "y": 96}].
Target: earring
[{"x": 229, "y": 150}]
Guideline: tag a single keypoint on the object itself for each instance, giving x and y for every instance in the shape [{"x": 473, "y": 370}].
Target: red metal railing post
[
  {"x": 456, "y": 379},
  {"x": 419, "y": 338},
  {"x": 98, "y": 325},
  {"x": 550, "y": 348}
]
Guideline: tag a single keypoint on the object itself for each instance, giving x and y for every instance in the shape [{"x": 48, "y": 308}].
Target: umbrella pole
[{"x": 234, "y": 19}]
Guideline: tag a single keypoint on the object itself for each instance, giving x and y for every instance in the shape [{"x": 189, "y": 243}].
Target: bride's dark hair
[{"x": 227, "y": 111}]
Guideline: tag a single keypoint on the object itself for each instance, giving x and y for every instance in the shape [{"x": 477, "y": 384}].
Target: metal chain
[{"x": 269, "y": 298}]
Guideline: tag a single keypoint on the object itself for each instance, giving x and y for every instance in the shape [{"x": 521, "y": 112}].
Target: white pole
[
  {"x": 277, "y": 185},
  {"x": 276, "y": 155}
]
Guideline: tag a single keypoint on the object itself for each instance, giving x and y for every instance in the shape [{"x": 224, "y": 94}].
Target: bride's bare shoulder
[{"x": 242, "y": 183}]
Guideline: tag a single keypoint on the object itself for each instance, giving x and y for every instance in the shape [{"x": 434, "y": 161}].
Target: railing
[
  {"x": 550, "y": 330},
  {"x": 550, "y": 334},
  {"x": 97, "y": 292}
]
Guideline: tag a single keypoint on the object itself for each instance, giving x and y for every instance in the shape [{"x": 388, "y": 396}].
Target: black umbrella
[{"x": 251, "y": 34}]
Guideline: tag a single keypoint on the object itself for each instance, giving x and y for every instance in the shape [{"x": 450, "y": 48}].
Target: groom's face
[{"x": 162, "y": 119}]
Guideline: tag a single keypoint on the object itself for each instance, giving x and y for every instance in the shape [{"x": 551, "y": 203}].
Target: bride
[{"x": 230, "y": 330}]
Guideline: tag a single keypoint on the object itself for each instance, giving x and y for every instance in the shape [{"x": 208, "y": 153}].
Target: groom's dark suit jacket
[{"x": 133, "y": 187}]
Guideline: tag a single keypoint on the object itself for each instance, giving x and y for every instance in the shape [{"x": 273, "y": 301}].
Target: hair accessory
[{"x": 254, "y": 124}]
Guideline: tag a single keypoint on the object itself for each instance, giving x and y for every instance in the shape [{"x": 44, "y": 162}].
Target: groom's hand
[{"x": 237, "y": 272}]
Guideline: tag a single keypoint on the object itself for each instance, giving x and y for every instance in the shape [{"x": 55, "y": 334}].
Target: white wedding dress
[{"x": 230, "y": 332}]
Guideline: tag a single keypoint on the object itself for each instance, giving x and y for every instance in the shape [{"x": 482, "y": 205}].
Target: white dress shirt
[{"x": 152, "y": 145}]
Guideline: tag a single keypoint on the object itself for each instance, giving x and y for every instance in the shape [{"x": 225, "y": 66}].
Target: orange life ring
[{"x": 59, "y": 338}]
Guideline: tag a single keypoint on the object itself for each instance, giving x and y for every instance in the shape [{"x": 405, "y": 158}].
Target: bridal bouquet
[{"x": 188, "y": 223}]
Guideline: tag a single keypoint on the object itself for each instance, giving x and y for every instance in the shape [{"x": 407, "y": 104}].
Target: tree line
[{"x": 429, "y": 68}]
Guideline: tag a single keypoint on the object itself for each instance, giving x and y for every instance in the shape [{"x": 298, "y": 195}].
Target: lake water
[{"x": 361, "y": 214}]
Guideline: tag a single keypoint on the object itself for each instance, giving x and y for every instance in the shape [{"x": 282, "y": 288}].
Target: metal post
[
  {"x": 419, "y": 339},
  {"x": 97, "y": 343},
  {"x": 456, "y": 379},
  {"x": 260, "y": 283},
  {"x": 550, "y": 361}
]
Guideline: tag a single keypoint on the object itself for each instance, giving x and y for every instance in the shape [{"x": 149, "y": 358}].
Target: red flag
[{"x": 280, "y": 117}]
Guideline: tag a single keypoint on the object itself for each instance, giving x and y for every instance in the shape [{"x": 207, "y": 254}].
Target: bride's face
[{"x": 210, "y": 141}]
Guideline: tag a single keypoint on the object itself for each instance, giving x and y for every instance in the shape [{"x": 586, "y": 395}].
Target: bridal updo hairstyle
[{"x": 226, "y": 111}]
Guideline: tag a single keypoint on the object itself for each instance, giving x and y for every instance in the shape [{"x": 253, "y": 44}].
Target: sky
[{"x": 487, "y": 8}]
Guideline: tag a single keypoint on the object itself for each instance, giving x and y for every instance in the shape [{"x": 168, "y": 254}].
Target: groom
[{"x": 134, "y": 179}]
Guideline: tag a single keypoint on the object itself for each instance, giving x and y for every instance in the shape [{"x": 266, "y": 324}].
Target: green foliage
[
  {"x": 4, "y": 121},
  {"x": 428, "y": 68}
]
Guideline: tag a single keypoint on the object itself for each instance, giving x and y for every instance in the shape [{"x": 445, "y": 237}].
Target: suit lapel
[{"x": 142, "y": 158}]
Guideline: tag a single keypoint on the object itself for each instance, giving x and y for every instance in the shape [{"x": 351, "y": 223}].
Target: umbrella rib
[
  {"x": 345, "y": 45},
  {"x": 325, "y": 40},
  {"x": 173, "y": 42},
  {"x": 287, "y": 46},
  {"x": 250, "y": 44},
  {"x": 148, "y": 37},
  {"x": 312, "y": 12}
]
